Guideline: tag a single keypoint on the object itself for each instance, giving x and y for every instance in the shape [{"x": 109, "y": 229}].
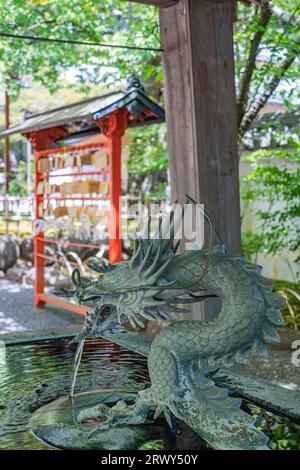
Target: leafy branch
[
  {"x": 269, "y": 32},
  {"x": 242, "y": 99}
]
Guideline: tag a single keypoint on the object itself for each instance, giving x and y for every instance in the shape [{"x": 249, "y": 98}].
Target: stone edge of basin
[
  {"x": 287, "y": 335},
  {"x": 33, "y": 336}
]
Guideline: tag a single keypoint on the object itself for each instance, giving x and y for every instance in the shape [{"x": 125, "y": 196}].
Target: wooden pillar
[
  {"x": 114, "y": 126},
  {"x": 199, "y": 90}
]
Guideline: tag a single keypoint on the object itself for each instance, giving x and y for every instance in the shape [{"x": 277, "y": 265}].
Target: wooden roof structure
[
  {"x": 83, "y": 115},
  {"x": 50, "y": 134}
]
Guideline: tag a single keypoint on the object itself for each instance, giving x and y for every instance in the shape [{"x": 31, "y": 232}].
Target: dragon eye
[{"x": 111, "y": 280}]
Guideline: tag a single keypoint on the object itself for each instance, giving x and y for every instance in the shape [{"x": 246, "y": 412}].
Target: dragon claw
[
  {"x": 94, "y": 412},
  {"x": 118, "y": 415},
  {"x": 163, "y": 409},
  {"x": 99, "y": 430}
]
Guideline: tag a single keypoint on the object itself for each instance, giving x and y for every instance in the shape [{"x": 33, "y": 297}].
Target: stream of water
[{"x": 36, "y": 374}]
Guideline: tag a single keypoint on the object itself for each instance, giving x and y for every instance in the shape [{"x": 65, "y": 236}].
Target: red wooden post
[
  {"x": 114, "y": 126},
  {"x": 39, "y": 245},
  {"x": 40, "y": 140}
]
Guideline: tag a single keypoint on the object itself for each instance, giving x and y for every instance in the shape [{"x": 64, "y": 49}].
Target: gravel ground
[{"x": 17, "y": 312}]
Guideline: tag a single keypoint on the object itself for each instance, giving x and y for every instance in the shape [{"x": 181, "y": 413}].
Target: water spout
[{"x": 77, "y": 360}]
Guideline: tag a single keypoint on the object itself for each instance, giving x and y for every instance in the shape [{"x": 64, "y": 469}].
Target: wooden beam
[
  {"x": 200, "y": 103},
  {"x": 157, "y": 3}
]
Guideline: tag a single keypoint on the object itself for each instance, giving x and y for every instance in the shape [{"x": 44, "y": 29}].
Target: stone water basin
[{"x": 38, "y": 371}]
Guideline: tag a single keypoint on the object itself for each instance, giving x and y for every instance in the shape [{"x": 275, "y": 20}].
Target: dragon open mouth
[{"x": 102, "y": 320}]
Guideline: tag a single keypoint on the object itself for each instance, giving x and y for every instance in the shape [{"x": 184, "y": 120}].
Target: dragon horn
[
  {"x": 146, "y": 259},
  {"x": 160, "y": 228},
  {"x": 189, "y": 200},
  {"x": 152, "y": 267},
  {"x": 135, "y": 260},
  {"x": 147, "y": 230},
  {"x": 176, "y": 247},
  {"x": 167, "y": 226},
  {"x": 172, "y": 230},
  {"x": 161, "y": 270},
  {"x": 135, "y": 246}
]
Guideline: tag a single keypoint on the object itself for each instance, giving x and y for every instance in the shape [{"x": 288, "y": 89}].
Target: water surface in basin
[{"x": 36, "y": 374}]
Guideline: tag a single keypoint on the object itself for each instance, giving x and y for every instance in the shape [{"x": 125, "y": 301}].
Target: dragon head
[
  {"x": 130, "y": 291},
  {"x": 145, "y": 287}
]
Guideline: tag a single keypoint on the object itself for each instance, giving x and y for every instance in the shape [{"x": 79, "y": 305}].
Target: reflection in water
[{"x": 38, "y": 374}]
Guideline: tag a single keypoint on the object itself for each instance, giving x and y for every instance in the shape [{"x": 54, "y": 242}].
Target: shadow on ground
[{"x": 17, "y": 312}]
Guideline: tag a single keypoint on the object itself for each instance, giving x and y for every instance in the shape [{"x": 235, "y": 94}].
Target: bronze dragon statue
[{"x": 186, "y": 355}]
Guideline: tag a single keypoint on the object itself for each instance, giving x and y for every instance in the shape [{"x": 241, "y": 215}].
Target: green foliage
[
  {"x": 147, "y": 151},
  {"x": 283, "y": 434},
  {"x": 159, "y": 195},
  {"x": 152, "y": 445},
  {"x": 18, "y": 185},
  {"x": 274, "y": 183},
  {"x": 100, "y": 21},
  {"x": 291, "y": 311},
  {"x": 279, "y": 41},
  {"x": 131, "y": 24},
  {"x": 148, "y": 162},
  {"x": 252, "y": 243}
]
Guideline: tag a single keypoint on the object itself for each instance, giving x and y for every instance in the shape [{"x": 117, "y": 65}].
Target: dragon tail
[
  {"x": 217, "y": 417},
  {"x": 272, "y": 316}
]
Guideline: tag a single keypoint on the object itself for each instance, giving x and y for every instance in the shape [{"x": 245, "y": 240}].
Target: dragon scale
[
  {"x": 249, "y": 312},
  {"x": 186, "y": 355}
]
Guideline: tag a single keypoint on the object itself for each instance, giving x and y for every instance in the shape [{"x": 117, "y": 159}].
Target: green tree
[
  {"x": 267, "y": 40},
  {"x": 148, "y": 162},
  {"x": 274, "y": 182},
  {"x": 100, "y": 21},
  {"x": 267, "y": 66},
  {"x": 18, "y": 185}
]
